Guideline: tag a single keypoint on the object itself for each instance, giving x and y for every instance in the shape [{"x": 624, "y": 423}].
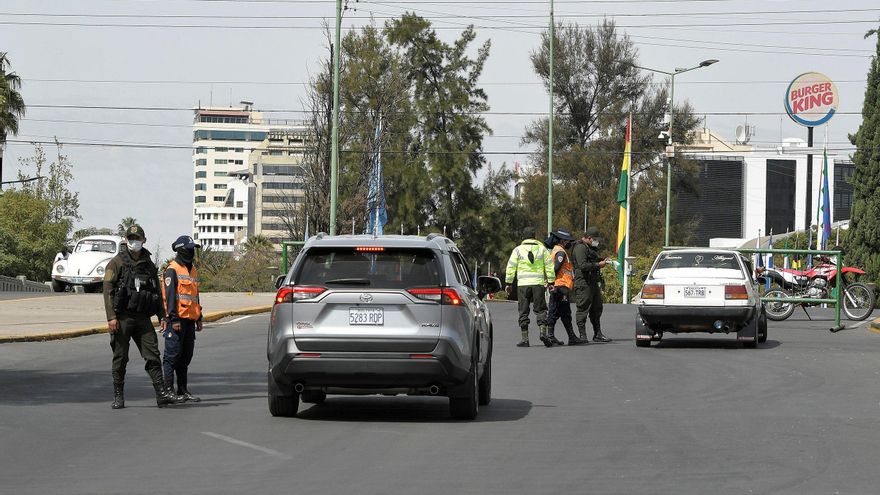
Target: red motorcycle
[{"x": 817, "y": 283}]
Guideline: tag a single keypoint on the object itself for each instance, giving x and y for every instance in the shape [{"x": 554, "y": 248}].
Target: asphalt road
[{"x": 701, "y": 415}]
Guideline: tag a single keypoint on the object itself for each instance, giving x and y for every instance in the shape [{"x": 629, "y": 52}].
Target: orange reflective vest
[
  {"x": 187, "y": 292},
  {"x": 565, "y": 275}
]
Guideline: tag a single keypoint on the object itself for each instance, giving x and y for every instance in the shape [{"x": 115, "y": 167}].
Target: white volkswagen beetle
[
  {"x": 86, "y": 263},
  {"x": 700, "y": 290}
]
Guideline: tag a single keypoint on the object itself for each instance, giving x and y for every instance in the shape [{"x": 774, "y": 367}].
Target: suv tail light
[
  {"x": 735, "y": 292},
  {"x": 443, "y": 295},
  {"x": 297, "y": 293},
  {"x": 653, "y": 291}
]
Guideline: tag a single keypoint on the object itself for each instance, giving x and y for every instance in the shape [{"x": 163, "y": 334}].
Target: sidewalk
[{"x": 74, "y": 315}]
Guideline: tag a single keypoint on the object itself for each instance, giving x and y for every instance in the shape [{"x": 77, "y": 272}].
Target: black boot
[
  {"x": 544, "y": 338},
  {"x": 551, "y": 335},
  {"x": 118, "y": 398},
  {"x": 599, "y": 337},
  {"x": 185, "y": 396},
  {"x": 574, "y": 339},
  {"x": 164, "y": 395}
]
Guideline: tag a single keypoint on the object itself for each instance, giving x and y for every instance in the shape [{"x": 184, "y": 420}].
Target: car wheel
[
  {"x": 485, "y": 384},
  {"x": 467, "y": 406},
  {"x": 282, "y": 406},
  {"x": 313, "y": 397},
  {"x": 58, "y": 286},
  {"x": 762, "y": 327}
]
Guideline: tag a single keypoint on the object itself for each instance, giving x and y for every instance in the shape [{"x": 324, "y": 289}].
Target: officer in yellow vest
[
  {"x": 560, "y": 294},
  {"x": 531, "y": 265},
  {"x": 180, "y": 291}
]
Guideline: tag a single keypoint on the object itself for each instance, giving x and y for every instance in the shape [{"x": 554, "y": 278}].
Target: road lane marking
[
  {"x": 233, "y": 441},
  {"x": 235, "y": 320}
]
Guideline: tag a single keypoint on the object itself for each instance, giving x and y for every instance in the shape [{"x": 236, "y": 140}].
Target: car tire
[
  {"x": 467, "y": 406},
  {"x": 283, "y": 406},
  {"x": 485, "y": 385},
  {"x": 762, "y": 327},
  {"x": 58, "y": 286},
  {"x": 313, "y": 397}
]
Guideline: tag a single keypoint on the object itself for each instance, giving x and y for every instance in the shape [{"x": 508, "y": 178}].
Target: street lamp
[{"x": 668, "y": 134}]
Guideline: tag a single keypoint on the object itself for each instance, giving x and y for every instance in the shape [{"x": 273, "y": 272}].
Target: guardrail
[
  {"x": 20, "y": 284},
  {"x": 836, "y": 292}
]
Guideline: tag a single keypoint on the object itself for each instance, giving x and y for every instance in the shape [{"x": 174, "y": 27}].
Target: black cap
[
  {"x": 185, "y": 242},
  {"x": 563, "y": 234},
  {"x": 592, "y": 232},
  {"x": 135, "y": 231}
]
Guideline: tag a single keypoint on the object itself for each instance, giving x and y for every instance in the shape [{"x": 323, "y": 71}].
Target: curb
[
  {"x": 875, "y": 326},
  {"x": 82, "y": 332}
]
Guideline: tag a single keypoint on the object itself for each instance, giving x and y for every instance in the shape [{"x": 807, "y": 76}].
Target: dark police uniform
[
  {"x": 131, "y": 296},
  {"x": 180, "y": 291},
  {"x": 587, "y": 281}
]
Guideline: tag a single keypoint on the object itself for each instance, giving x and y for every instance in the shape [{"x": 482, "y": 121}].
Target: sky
[{"x": 154, "y": 60}]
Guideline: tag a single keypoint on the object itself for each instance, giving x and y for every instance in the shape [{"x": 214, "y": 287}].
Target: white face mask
[
  {"x": 135, "y": 246},
  {"x": 595, "y": 244}
]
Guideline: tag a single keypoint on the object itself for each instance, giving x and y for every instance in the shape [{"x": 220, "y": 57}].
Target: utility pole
[
  {"x": 550, "y": 134},
  {"x": 334, "y": 138}
]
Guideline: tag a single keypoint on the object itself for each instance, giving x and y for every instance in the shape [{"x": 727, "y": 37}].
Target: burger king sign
[{"x": 811, "y": 99}]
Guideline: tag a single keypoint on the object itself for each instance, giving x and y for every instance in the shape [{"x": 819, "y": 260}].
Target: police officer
[
  {"x": 531, "y": 265},
  {"x": 180, "y": 291},
  {"x": 587, "y": 282},
  {"x": 560, "y": 303},
  {"x": 131, "y": 297}
]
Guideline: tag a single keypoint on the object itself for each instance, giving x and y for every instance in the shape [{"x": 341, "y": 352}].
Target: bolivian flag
[{"x": 623, "y": 199}]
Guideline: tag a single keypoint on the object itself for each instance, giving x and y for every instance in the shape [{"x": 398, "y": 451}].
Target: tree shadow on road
[
  {"x": 374, "y": 409},
  {"x": 38, "y": 387}
]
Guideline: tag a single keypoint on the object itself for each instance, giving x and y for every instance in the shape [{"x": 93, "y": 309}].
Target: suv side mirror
[
  {"x": 487, "y": 285},
  {"x": 279, "y": 280}
]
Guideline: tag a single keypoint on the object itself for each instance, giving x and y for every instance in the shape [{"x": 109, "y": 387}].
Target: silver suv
[{"x": 387, "y": 315}]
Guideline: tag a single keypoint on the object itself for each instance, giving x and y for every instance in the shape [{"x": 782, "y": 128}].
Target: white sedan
[
  {"x": 85, "y": 265},
  {"x": 700, "y": 290}
]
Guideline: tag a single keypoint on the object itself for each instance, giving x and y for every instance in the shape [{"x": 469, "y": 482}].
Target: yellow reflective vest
[{"x": 531, "y": 264}]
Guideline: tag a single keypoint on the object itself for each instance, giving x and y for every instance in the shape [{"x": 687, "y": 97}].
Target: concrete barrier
[{"x": 21, "y": 284}]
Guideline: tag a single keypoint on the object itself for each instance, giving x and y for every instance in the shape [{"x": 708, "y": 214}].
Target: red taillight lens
[
  {"x": 735, "y": 292},
  {"x": 443, "y": 295},
  {"x": 297, "y": 293},
  {"x": 653, "y": 291}
]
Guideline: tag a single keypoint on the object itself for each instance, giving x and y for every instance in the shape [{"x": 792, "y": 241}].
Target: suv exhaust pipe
[
  {"x": 433, "y": 390},
  {"x": 299, "y": 387}
]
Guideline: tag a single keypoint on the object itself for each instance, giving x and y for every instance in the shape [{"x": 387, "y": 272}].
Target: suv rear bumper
[{"x": 366, "y": 370}]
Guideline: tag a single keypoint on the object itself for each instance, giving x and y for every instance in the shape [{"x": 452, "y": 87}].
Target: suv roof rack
[{"x": 433, "y": 235}]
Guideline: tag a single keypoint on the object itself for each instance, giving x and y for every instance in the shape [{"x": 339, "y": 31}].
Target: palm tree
[
  {"x": 257, "y": 243},
  {"x": 124, "y": 225},
  {"x": 11, "y": 105}
]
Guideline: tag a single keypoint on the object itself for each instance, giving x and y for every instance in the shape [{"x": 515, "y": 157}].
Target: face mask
[
  {"x": 135, "y": 246},
  {"x": 186, "y": 255},
  {"x": 595, "y": 244}
]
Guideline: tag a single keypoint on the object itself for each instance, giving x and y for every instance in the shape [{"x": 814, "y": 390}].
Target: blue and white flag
[
  {"x": 769, "y": 261},
  {"x": 825, "y": 206},
  {"x": 377, "y": 216}
]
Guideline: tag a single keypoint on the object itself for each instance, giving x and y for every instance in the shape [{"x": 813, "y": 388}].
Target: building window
[
  {"x": 221, "y": 149},
  {"x": 228, "y": 135},
  {"x": 200, "y": 199},
  {"x": 201, "y": 150},
  {"x": 282, "y": 170},
  {"x": 241, "y": 215},
  {"x": 236, "y": 162},
  {"x": 239, "y": 150},
  {"x": 275, "y": 152},
  {"x": 201, "y": 174},
  {"x": 221, "y": 161},
  {"x": 282, "y": 185},
  {"x": 223, "y": 216},
  {"x": 201, "y": 186},
  {"x": 223, "y": 229},
  {"x": 219, "y": 186},
  {"x": 201, "y": 162},
  {"x": 239, "y": 204},
  {"x": 219, "y": 198},
  {"x": 219, "y": 174},
  {"x": 273, "y": 226}
]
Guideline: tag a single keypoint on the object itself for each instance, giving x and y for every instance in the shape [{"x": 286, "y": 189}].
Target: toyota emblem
[{"x": 366, "y": 297}]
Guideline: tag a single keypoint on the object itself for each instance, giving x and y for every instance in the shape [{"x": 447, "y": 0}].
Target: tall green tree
[
  {"x": 28, "y": 242},
  {"x": 53, "y": 184},
  {"x": 863, "y": 243},
  {"x": 12, "y": 106}
]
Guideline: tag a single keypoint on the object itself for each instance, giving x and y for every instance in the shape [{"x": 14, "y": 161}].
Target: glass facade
[
  {"x": 211, "y": 134},
  {"x": 781, "y": 192}
]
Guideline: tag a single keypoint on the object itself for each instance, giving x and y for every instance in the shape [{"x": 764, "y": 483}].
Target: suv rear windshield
[
  {"x": 697, "y": 260},
  {"x": 391, "y": 268}
]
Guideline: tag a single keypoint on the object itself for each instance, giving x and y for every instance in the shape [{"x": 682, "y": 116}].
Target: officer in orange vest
[
  {"x": 183, "y": 315},
  {"x": 560, "y": 303}
]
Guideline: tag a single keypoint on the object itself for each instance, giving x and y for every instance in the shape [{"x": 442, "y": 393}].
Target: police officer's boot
[
  {"x": 118, "y": 398},
  {"x": 551, "y": 334},
  {"x": 164, "y": 396},
  {"x": 598, "y": 336},
  {"x": 182, "y": 392},
  {"x": 544, "y": 338},
  {"x": 525, "y": 337},
  {"x": 583, "y": 332},
  {"x": 572, "y": 338}
]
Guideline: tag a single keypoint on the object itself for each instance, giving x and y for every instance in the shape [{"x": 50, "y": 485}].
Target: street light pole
[
  {"x": 334, "y": 136},
  {"x": 550, "y": 133},
  {"x": 670, "y": 143}
]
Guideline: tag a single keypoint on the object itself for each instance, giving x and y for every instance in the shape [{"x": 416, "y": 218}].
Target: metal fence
[{"x": 20, "y": 284}]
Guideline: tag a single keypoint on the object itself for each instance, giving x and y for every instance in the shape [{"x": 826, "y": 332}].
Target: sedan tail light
[
  {"x": 653, "y": 291},
  {"x": 735, "y": 292},
  {"x": 443, "y": 295},
  {"x": 297, "y": 293}
]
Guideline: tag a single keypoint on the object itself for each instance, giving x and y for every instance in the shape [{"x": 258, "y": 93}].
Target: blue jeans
[{"x": 178, "y": 353}]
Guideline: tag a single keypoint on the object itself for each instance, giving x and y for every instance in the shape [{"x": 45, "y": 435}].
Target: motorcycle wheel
[
  {"x": 858, "y": 301},
  {"x": 778, "y": 311}
]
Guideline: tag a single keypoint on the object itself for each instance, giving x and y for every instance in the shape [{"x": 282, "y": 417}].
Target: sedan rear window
[
  {"x": 390, "y": 268},
  {"x": 697, "y": 260}
]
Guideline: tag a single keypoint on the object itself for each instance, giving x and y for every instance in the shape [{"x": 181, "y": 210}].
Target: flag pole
[{"x": 628, "y": 206}]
